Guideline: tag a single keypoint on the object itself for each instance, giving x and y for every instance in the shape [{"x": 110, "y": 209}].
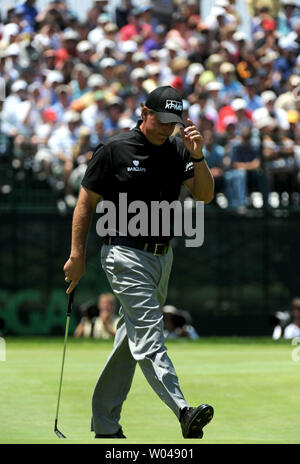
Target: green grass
[{"x": 253, "y": 385}]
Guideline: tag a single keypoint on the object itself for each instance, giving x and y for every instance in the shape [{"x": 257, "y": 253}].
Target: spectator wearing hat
[
  {"x": 94, "y": 13},
  {"x": 213, "y": 64},
  {"x": 70, "y": 39},
  {"x": 10, "y": 111},
  {"x": 96, "y": 35},
  {"x": 253, "y": 101},
  {"x": 52, "y": 81},
  {"x": 78, "y": 84},
  {"x": 10, "y": 67},
  {"x": 48, "y": 36},
  {"x": 286, "y": 15},
  {"x": 267, "y": 61},
  {"x": 284, "y": 65},
  {"x": 177, "y": 323},
  {"x": 179, "y": 31},
  {"x": 49, "y": 59},
  {"x": 288, "y": 100},
  {"x": 291, "y": 326},
  {"x": 95, "y": 111},
  {"x": 107, "y": 66},
  {"x": 203, "y": 108},
  {"x": 199, "y": 49},
  {"x": 85, "y": 52},
  {"x": 64, "y": 98},
  {"x": 179, "y": 67},
  {"x": 239, "y": 112},
  {"x": 61, "y": 144},
  {"x": 213, "y": 88},
  {"x": 114, "y": 107},
  {"x": 269, "y": 98},
  {"x": 194, "y": 71},
  {"x": 231, "y": 86},
  {"x": 278, "y": 156},
  {"x": 129, "y": 97},
  {"x": 29, "y": 118},
  {"x": 43, "y": 157},
  {"x": 157, "y": 40},
  {"x": 121, "y": 79},
  {"x": 30, "y": 110},
  {"x": 263, "y": 10},
  {"x": 105, "y": 49},
  {"x": 137, "y": 79},
  {"x": 228, "y": 44},
  {"x": 243, "y": 115},
  {"x": 245, "y": 161},
  {"x": 127, "y": 50},
  {"x": 82, "y": 153},
  {"x": 135, "y": 26},
  {"x": 266, "y": 39},
  {"x": 154, "y": 77},
  {"x": 95, "y": 82}
]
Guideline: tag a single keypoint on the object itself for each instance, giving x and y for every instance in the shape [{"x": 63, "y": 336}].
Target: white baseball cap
[
  {"x": 19, "y": 85},
  {"x": 70, "y": 34},
  {"x": 84, "y": 46},
  {"x": 139, "y": 56},
  {"x": 96, "y": 80},
  {"x": 268, "y": 95},
  {"x": 107, "y": 62},
  {"x": 213, "y": 85},
  {"x": 54, "y": 76},
  {"x": 71, "y": 116},
  {"x": 129, "y": 46},
  {"x": 238, "y": 104},
  {"x": 138, "y": 73}
]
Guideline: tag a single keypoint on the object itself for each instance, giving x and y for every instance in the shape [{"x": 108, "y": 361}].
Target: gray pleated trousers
[{"x": 140, "y": 281}]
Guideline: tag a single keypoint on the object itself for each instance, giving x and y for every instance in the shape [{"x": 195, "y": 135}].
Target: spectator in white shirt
[
  {"x": 94, "y": 111},
  {"x": 293, "y": 328},
  {"x": 61, "y": 146}
]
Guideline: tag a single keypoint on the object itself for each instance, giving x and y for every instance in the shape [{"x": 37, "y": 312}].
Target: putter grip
[{"x": 70, "y": 302}]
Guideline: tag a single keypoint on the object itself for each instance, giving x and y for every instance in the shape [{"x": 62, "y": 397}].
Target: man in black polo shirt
[{"x": 147, "y": 164}]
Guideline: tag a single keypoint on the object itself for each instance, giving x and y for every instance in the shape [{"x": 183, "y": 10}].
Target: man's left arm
[{"x": 201, "y": 185}]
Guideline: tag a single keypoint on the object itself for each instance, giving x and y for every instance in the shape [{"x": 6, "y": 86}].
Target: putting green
[{"x": 253, "y": 384}]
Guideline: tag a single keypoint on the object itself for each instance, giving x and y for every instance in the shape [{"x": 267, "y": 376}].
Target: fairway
[{"x": 253, "y": 384}]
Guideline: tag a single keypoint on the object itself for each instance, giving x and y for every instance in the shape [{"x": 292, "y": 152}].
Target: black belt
[{"x": 154, "y": 248}]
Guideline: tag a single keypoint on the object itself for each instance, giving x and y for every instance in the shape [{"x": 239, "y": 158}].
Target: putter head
[{"x": 58, "y": 433}]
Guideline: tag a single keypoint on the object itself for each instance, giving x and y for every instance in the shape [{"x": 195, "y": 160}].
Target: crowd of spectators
[{"x": 72, "y": 83}]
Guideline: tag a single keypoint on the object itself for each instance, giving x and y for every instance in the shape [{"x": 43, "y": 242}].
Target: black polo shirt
[{"x": 129, "y": 163}]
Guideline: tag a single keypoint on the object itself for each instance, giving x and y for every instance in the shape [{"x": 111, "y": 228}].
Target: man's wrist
[
  {"x": 74, "y": 256},
  {"x": 197, "y": 159}
]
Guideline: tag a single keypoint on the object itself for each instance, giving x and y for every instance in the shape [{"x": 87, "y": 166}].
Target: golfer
[{"x": 147, "y": 164}]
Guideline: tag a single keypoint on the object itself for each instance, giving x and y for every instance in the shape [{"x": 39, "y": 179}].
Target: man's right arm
[{"x": 75, "y": 266}]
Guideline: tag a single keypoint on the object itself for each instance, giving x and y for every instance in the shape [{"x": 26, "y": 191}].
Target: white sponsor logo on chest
[{"x": 136, "y": 167}]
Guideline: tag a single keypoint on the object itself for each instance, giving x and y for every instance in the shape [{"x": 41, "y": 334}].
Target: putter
[{"x": 70, "y": 304}]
